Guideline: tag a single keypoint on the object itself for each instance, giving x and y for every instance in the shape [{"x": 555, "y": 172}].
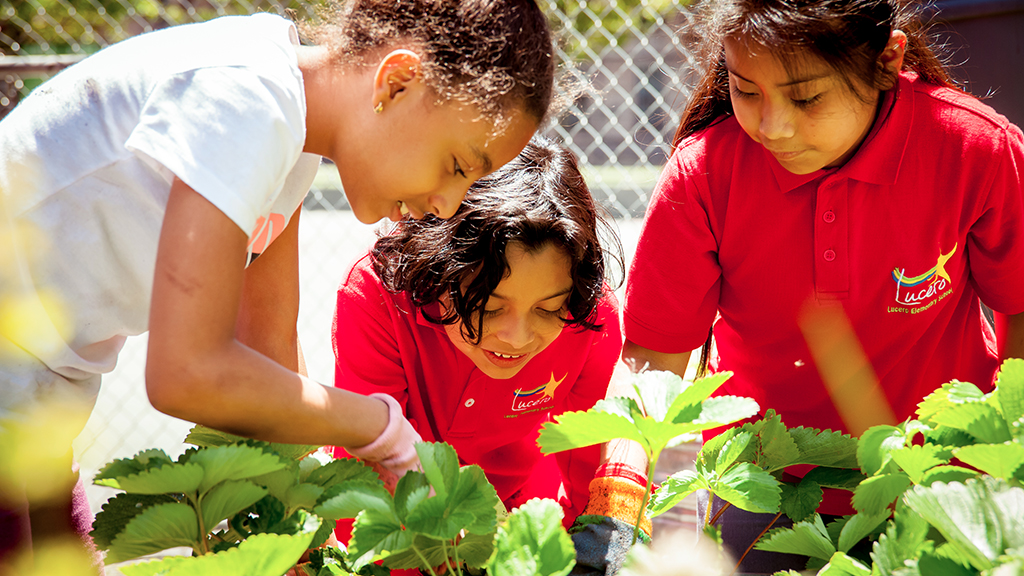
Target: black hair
[
  {"x": 537, "y": 199},
  {"x": 494, "y": 54},
  {"x": 848, "y": 35}
]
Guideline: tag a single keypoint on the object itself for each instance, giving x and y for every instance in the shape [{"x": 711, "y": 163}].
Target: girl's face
[
  {"x": 808, "y": 120},
  {"x": 422, "y": 157},
  {"x": 523, "y": 315}
]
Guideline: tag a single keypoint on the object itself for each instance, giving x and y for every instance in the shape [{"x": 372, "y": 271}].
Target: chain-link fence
[{"x": 628, "y": 52}]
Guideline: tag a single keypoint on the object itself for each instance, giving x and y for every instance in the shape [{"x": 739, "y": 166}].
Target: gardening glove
[
  {"x": 603, "y": 533},
  {"x": 394, "y": 449}
]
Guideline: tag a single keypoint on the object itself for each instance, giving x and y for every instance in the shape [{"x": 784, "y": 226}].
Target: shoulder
[
  {"x": 718, "y": 143},
  {"x": 361, "y": 280},
  {"x": 946, "y": 114}
]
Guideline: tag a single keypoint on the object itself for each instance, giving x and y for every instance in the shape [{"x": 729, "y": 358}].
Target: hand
[
  {"x": 395, "y": 448},
  {"x": 603, "y": 533}
]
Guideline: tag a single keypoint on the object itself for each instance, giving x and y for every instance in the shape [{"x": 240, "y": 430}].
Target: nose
[
  {"x": 445, "y": 204},
  {"x": 776, "y": 121},
  {"x": 514, "y": 330}
]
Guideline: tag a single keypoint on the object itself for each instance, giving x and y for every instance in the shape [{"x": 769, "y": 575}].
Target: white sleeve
[{"x": 230, "y": 134}]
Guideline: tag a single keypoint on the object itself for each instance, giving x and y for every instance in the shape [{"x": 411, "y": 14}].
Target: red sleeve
[
  {"x": 674, "y": 280},
  {"x": 367, "y": 357},
  {"x": 996, "y": 239}
]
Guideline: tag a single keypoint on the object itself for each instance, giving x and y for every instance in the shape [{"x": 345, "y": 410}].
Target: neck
[{"x": 329, "y": 93}]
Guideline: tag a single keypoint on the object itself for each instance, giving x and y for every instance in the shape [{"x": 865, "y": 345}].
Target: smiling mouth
[{"x": 508, "y": 356}]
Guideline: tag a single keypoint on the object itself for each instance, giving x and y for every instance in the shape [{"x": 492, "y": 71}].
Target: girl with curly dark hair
[{"x": 488, "y": 324}]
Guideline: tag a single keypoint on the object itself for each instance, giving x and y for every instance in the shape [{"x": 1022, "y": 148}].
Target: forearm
[
  {"x": 239, "y": 390},
  {"x": 1010, "y": 335}
]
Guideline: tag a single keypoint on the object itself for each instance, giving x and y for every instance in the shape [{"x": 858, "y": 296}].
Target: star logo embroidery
[{"x": 551, "y": 386}]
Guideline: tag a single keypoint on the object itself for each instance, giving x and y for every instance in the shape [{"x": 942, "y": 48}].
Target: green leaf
[
  {"x": 979, "y": 518},
  {"x": 341, "y": 470},
  {"x": 348, "y": 500},
  {"x": 203, "y": 436},
  {"x": 377, "y": 533},
  {"x": 808, "y": 538},
  {"x": 798, "y": 501},
  {"x": 170, "y": 478},
  {"x": 749, "y": 488},
  {"x": 234, "y": 462},
  {"x": 578, "y": 429},
  {"x": 659, "y": 390},
  {"x": 303, "y": 496},
  {"x": 533, "y": 542},
  {"x": 411, "y": 490},
  {"x": 259, "y": 555},
  {"x": 118, "y": 511},
  {"x": 825, "y": 447},
  {"x": 999, "y": 460},
  {"x": 877, "y": 493},
  {"x": 859, "y": 527},
  {"x": 842, "y": 565},
  {"x": 440, "y": 464},
  {"x": 947, "y": 474},
  {"x": 917, "y": 460},
  {"x": 981, "y": 420},
  {"x": 944, "y": 397},
  {"x": 732, "y": 450},
  {"x": 227, "y": 499},
  {"x": 470, "y": 505},
  {"x": 1010, "y": 391},
  {"x": 696, "y": 393},
  {"x": 710, "y": 450},
  {"x": 841, "y": 478},
  {"x": 673, "y": 490},
  {"x": 930, "y": 563},
  {"x": 157, "y": 528},
  {"x": 776, "y": 448},
  {"x": 875, "y": 447},
  {"x": 145, "y": 460},
  {"x": 720, "y": 411}
]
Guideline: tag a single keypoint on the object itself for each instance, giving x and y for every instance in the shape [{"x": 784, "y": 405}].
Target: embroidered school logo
[
  {"x": 536, "y": 399},
  {"x": 918, "y": 293}
]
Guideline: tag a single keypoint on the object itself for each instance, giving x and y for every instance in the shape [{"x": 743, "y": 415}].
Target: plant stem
[
  {"x": 423, "y": 559},
  {"x": 718, "y": 514},
  {"x": 455, "y": 552},
  {"x": 652, "y": 462},
  {"x": 751, "y": 547}
]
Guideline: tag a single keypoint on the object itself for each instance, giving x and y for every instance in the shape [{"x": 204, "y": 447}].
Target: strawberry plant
[
  {"x": 242, "y": 506},
  {"x": 665, "y": 411},
  {"x": 951, "y": 481}
]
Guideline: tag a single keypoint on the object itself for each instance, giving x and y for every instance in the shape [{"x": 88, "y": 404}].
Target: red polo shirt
[
  {"x": 383, "y": 345},
  {"x": 919, "y": 227}
]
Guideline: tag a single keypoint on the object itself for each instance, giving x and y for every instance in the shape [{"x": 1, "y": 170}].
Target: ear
[
  {"x": 890, "y": 61},
  {"x": 397, "y": 71}
]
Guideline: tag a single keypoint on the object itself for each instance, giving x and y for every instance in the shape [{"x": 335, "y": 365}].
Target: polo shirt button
[
  {"x": 829, "y": 255},
  {"x": 470, "y": 402},
  {"x": 829, "y": 216}
]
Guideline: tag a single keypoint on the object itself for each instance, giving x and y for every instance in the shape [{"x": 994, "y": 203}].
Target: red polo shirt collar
[{"x": 879, "y": 158}]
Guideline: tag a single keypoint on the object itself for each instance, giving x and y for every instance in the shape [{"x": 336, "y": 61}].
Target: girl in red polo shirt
[
  {"x": 829, "y": 184},
  {"x": 487, "y": 325}
]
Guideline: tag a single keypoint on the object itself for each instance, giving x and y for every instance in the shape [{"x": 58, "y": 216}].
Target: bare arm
[
  {"x": 1010, "y": 334},
  {"x": 208, "y": 363},
  {"x": 634, "y": 359}
]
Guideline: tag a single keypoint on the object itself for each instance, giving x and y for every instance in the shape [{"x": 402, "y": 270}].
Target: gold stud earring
[{"x": 379, "y": 107}]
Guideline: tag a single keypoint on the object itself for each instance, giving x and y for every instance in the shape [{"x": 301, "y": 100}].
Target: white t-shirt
[{"x": 87, "y": 161}]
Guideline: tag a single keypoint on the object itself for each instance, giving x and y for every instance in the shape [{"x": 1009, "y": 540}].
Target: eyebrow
[
  {"x": 483, "y": 158},
  {"x": 785, "y": 84},
  {"x": 556, "y": 295}
]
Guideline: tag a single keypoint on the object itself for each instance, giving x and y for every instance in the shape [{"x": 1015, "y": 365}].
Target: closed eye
[{"x": 458, "y": 169}]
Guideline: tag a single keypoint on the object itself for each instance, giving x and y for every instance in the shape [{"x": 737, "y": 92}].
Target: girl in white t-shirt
[{"x": 138, "y": 186}]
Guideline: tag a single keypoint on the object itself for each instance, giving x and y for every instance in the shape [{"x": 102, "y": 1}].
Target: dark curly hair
[
  {"x": 848, "y": 35},
  {"x": 495, "y": 54},
  {"x": 538, "y": 198}
]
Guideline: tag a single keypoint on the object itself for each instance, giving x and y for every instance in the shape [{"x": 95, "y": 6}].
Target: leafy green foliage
[
  {"x": 414, "y": 528},
  {"x": 945, "y": 518},
  {"x": 264, "y": 491},
  {"x": 665, "y": 407},
  {"x": 533, "y": 542}
]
